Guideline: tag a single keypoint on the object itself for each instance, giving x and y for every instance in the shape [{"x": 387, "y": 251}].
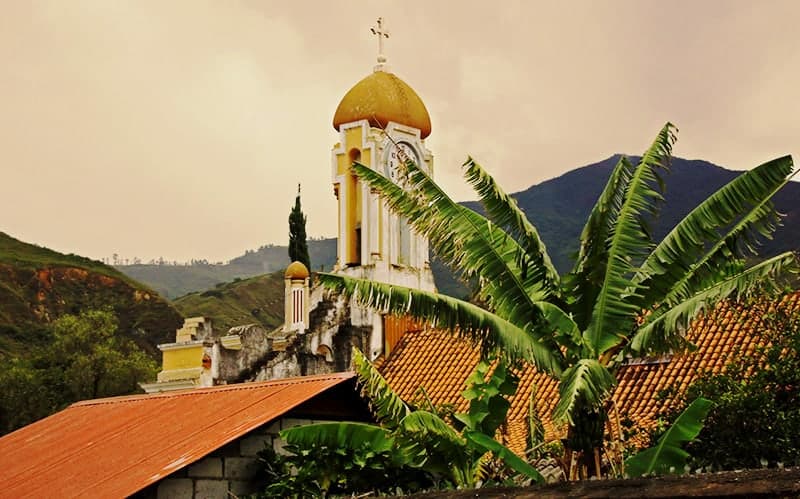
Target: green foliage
[
  {"x": 464, "y": 318},
  {"x": 32, "y": 257},
  {"x": 84, "y": 358},
  {"x": 38, "y": 285},
  {"x": 371, "y": 462},
  {"x": 586, "y": 384},
  {"x": 387, "y": 407},
  {"x": 755, "y": 421},
  {"x": 298, "y": 247},
  {"x": 626, "y": 296},
  {"x": 488, "y": 398},
  {"x": 410, "y": 449},
  {"x": 667, "y": 456},
  {"x": 254, "y": 300}
]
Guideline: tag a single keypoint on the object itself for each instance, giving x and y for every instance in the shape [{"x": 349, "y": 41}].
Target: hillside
[
  {"x": 38, "y": 285},
  {"x": 177, "y": 280},
  {"x": 558, "y": 207},
  {"x": 254, "y": 300}
]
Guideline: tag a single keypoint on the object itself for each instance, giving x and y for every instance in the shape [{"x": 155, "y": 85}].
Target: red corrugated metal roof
[{"x": 117, "y": 446}]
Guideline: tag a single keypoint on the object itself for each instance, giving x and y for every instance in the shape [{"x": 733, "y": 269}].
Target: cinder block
[
  {"x": 287, "y": 423},
  {"x": 175, "y": 488},
  {"x": 251, "y": 446},
  {"x": 210, "y": 467},
  {"x": 240, "y": 468},
  {"x": 211, "y": 489},
  {"x": 241, "y": 488}
]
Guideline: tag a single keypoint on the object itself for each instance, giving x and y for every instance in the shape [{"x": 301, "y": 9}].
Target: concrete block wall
[{"x": 229, "y": 471}]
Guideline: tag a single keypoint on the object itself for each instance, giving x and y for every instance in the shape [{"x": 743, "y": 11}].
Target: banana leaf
[{"x": 667, "y": 456}]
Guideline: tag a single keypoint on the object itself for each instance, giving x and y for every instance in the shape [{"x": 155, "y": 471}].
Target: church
[{"x": 381, "y": 122}]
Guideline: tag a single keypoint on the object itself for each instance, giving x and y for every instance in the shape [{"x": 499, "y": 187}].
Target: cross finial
[{"x": 381, "y": 33}]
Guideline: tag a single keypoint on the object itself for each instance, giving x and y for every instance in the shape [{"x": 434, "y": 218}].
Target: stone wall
[{"x": 230, "y": 471}]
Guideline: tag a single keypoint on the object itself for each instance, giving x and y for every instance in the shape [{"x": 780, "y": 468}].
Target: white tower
[{"x": 380, "y": 121}]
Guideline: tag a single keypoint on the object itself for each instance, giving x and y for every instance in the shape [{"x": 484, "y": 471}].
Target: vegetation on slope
[
  {"x": 85, "y": 358},
  {"x": 243, "y": 301},
  {"x": 38, "y": 285}
]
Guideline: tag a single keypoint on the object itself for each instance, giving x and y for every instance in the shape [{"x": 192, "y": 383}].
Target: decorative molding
[
  {"x": 231, "y": 342},
  {"x": 180, "y": 346}
]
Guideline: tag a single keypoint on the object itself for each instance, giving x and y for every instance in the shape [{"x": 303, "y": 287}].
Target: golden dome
[
  {"x": 296, "y": 270},
  {"x": 380, "y": 98}
]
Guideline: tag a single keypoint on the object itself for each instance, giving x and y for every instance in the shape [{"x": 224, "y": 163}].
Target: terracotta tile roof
[
  {"x": 115, "y": 447},
  {"x": 440, "y": 363}
]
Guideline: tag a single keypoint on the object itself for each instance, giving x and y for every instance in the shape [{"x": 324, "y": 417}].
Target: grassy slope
[
  {"x": 37, "y": 285},
  {"x": 30, "y": 256},
  {"x": 254, "y": 300}
]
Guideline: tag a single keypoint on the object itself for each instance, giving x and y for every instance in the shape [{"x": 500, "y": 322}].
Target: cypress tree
[{"x": 298, "y": 247}]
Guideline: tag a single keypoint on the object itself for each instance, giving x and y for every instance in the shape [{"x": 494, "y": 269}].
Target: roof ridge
[{"x": 248, "y": 385}]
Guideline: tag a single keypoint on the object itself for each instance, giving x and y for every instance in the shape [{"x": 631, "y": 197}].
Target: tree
[
  {"x": 756, "y": 419},
  {"x": 86, "y": 358},
  {"x": 625, "y": 296},
  {"x": 298, "y": 248}
]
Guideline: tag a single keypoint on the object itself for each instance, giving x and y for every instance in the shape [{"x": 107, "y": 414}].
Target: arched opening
[{"x": 354, "y": 212}]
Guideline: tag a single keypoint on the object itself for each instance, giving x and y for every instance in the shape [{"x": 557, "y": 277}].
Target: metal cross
[{"x": 381, "y": 33}]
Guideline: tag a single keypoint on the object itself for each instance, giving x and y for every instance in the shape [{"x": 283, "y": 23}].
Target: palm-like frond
[
  {"x": 445, "y": 451},
  {"x": 667, "y": 455},
  {"x": 387, "y": 407},
  {"x": 662, "y": 325},
  {"x": 714, "y": 265},
  {"x": 460, "y": 317},
  {"x": 587, "y": 382},
  {"x": 504, "y": 211},
  {"x": 679, "y": 250},
  {"x": 584, "y": 282},
  {"x": 616, "y": 308},
  {"x": 563, "y": 328},
  {"x": 422, "y": 424},
  {"x": 339, "y": 434},
  {"x": 464, "y": 240}
]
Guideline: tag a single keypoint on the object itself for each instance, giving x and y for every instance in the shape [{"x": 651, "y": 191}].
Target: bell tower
[{"x": 381, "y": 121}]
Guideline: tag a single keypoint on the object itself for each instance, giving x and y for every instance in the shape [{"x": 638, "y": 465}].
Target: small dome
[
  {"x": 380, "y": 98},
  {"x": 296, "y": 270}
]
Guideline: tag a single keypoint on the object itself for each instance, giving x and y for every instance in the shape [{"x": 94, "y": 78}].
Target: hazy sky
[{"x": 181, "y": 128}]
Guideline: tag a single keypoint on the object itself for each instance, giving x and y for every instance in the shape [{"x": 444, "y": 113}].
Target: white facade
[{"x": 386, "y": 248}]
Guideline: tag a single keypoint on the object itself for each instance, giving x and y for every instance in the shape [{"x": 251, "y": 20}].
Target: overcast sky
[{"x": 181, "y": 128}]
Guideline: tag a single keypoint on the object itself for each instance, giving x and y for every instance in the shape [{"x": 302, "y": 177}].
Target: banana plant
[
  {"x": 421, "y": 439},
  {"x": 625, "y": 296}
]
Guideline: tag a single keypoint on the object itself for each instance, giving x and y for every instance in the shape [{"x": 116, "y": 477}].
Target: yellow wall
[
  {"x": 353, "y": 203},
  {"x": 184, "y": 358}
]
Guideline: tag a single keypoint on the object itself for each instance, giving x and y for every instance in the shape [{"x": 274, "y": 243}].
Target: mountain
[
  {"x": 38, "y": 285},
  {"x": 558, "y": 207},
  {"x": 243, "y": 301}
]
